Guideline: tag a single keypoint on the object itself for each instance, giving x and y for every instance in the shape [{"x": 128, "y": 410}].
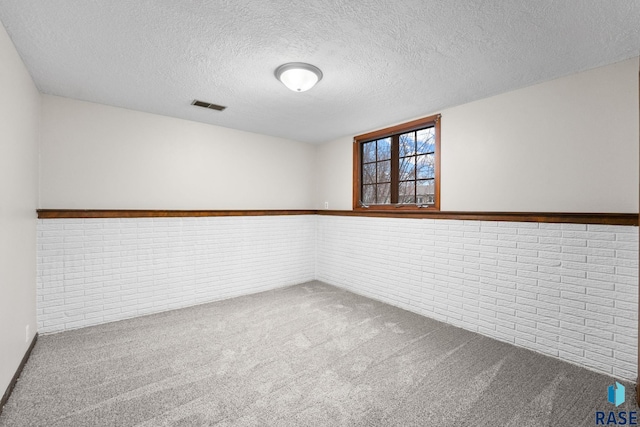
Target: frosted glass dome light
[{"x": 298, "y": 76}]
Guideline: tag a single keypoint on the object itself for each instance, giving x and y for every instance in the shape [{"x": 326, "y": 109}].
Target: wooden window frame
[{"x": 392, "y": 132}]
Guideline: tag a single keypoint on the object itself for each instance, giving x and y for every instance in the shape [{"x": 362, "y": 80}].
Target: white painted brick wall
[
  {"x": 566, "y": 290},
  {"x": 93, "y": 271}
]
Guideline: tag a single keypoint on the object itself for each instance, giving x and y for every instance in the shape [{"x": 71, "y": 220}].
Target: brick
[
  {"x": 589, "y": 251},
  {"x": 549, "y": 226},
  {"x": 586, "y": 285},
  {"x": 626, "y": 288},
  {"x": 626, "y": 271},
  {"x": 587, "y": 298},
  {"x": 562, "y": 256},
  {"x": 575, "y": 227},
  {"x": 624, "y": 373},
  {"x": 551, "y": 346},
  {"x": 628, "y": 323},
  {"x": 622, "y": 254},
  {"x": 628, "y": 306},
  {"x": 571, "y": 349},
  {"x": 614, "y": 262},
  {"x": 588, "y": 235},
  {"x": 538, "y": 261},
  {"x": 613, "y": 245},
  {"x": 613, "y": 228},
  {"x": 627, "y": 237},
  {"x": 540, "y": 232},
  {"x": 596, "y": 356},
  {"x": 563, "y": 241},
  {"x": 540, "y": 275},
  {"x": 563, "y": 271},
  {"x": 608, "y": 269},
  {"x": 612, "y": 278},
  {"x": 629, "y": 358},
  {"x": 518, "y": 252}
]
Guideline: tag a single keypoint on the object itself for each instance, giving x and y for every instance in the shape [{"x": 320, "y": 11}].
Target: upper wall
[
  {"x": 567, "y": 145},
  {"x": 19, "y": 121},
  {"x": 99, "y": 157}
]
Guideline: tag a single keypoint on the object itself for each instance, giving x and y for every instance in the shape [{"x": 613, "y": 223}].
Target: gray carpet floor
[{"x": 306, "y": 355}]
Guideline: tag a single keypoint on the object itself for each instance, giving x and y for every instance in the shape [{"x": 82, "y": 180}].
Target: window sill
[{"x": 396, "y": 208}]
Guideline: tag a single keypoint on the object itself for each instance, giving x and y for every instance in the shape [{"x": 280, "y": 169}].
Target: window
[{"x": 398, "y": 167}]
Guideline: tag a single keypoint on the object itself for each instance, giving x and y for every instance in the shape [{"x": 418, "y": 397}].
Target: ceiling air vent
[{"x": 208, "y": 105}]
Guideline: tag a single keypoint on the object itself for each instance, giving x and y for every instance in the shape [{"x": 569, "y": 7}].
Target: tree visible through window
[{"x": 399, "y": 166}]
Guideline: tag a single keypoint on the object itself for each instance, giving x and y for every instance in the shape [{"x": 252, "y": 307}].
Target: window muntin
[{"x": 398, "y": 167}]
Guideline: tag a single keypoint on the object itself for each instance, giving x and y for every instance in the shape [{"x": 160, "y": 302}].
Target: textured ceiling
[{"x": 383, "y": 62}]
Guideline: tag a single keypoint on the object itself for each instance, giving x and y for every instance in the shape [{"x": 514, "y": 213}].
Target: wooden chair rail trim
[
  {"x": 121, "y": 213},
  {"x": 548, "y": 217}
]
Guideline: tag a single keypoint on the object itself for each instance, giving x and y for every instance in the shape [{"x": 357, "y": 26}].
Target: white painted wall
[
  {"x": 334, "y": 174},
  {"x": 100, "y": 157},
  {"x": 19, "y": 118},
  {"x": 93, "y": 271},
  {"x": 567, "y": 145}
]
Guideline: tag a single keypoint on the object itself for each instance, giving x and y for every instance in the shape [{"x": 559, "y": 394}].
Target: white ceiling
[{"x": 383, "y": 62}]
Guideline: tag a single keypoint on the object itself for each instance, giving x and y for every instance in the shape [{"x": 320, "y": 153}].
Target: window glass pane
[
  {"x": 400, "y": 166},
  {"x": 425, "y": 190},
  {"x": 426, "y": 166},
  {"x": 369, "y": 173},
  {"x": 426, "y": 140},
  {"x": 407, "y": 144},
  {"x": 368, "y": 194},
  {"x": 407, "y": 192},
  {"x": 369, "y": 152},
  {"x": 384, "y": 171},
  {"x": 384, "y": 149},
  {"x": 384, "y": 194},
  {"x": 407, "y": 168}
]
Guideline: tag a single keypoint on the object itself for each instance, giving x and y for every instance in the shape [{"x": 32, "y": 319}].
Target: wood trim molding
[
  {"x": 120, "y": 213},
  {"x": 548, "y": 217},
  {"x": 403, "y": 127},
  {"x": 14, "y": 380},
  {"x": 357, "y": 171}
]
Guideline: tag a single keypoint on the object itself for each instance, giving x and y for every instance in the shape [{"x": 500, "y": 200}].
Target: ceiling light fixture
[{"x": 298, "y": 76}]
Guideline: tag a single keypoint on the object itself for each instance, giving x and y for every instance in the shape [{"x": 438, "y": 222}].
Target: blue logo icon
[{"x": 616, "y": 394}]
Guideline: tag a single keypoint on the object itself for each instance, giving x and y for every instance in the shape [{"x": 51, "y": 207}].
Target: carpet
[{"x": 305, "y": 355}]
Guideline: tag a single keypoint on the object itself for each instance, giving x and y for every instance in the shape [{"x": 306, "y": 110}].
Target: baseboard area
[{"x": 14, "y": 380}]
